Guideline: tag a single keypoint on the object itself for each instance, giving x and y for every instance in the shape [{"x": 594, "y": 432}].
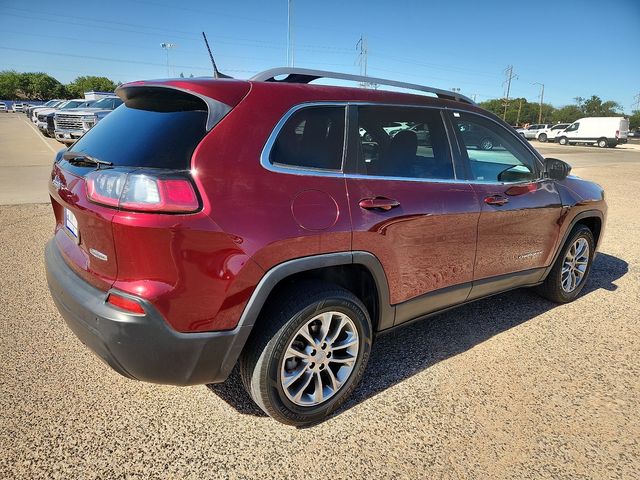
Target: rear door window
[
  {"x": 313, "y": 137},
  {"x": 403, "y": 142}
]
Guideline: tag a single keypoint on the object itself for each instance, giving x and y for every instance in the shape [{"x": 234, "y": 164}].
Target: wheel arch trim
[
  {"x": 574, "y": 221},
  {"x": 283, "y": 270}
]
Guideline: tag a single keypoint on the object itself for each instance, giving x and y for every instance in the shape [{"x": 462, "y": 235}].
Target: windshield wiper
[{"x": 73, "y": 157}]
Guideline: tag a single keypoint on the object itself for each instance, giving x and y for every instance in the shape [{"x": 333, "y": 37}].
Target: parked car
[
  {"x": 477, "y": 137},
  {"x": 17, "y": 107},
  {"x": 73, "y": 124},
  {"x": 67, "y": 105},
  {"x": 532, "y": 130},
  {"x": 3, "y": 107},
  {"x": 550, "y": 134},
  {"x": 634, "y": 133},
  {"x": 193, "y": 234},
  {"x": 32, "y": 111},
  {"x": 602, "y": 131}
]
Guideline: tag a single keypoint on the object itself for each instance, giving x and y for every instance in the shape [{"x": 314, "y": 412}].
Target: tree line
[
  {"x": 40, "y": 86},
  {"x": 520, "y": 111}
]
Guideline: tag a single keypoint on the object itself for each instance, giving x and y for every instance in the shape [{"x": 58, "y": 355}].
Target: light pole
[
  {"x": 541, "y": 100},
  {"x": 167, "y": 47},
  {"x": 290, "y": 50}
]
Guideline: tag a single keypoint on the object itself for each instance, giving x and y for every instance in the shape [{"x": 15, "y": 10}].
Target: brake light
[
  {"x": 147, "y": 192},
  {"x": 124, "y": 303}
]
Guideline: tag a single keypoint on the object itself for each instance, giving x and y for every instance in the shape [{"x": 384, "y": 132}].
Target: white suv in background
[
  {"x": 531, "y": 131},
  {"x": 550, "y": 134}
]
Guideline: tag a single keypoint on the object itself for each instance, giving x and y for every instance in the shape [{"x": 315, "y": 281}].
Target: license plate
[
  {"x": 71, "y": 224},
  {"x": 67, "y": 135}
]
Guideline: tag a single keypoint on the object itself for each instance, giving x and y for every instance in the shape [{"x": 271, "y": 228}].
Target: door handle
[
  {"x": 497, "y": 200},
  {"x": 382, "y": 203}
]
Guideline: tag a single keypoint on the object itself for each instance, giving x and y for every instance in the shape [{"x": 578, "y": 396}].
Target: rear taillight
[
  {"x": 146, "y": 192},
  {"x": 124, "y": 303}
]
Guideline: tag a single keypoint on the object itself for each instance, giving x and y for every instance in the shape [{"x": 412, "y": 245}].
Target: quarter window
[
  {"x": 495, "y": 155},
  {"x": 312, "y": 137},
  {"x": 403, "y": 142}
]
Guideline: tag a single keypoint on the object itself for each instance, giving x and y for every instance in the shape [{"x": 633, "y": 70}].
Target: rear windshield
[{"x": 146, "y": 137}]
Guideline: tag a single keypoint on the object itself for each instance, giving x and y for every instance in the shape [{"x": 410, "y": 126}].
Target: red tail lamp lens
[
  {"x": 147, "y": 192},
  {"x": 124, "y": 303}
]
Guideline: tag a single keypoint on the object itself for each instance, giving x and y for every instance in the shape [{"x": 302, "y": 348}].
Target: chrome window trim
[{"x": 317, "y": 172}]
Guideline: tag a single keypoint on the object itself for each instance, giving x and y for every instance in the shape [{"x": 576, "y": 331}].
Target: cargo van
[{"x": 603, "y": 131}]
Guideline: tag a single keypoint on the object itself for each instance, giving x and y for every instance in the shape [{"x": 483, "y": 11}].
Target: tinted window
[
  {"x": 312, "y": 137},
  {"x": 495, "y": 154},
  {"x": 144, "y": 137},
  {"x": 403, "y": 142},
  {"x": 573, "y": 127}
]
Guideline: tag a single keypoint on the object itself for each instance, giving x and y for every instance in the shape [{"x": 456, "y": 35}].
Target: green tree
[
  {"x": 567, "y": 114},
  {"x": 634, "y": 119},
  {"x": 595, "y": 107},
  {"x": 29, "y": 85},
  {"x": 88, "y": 83}
]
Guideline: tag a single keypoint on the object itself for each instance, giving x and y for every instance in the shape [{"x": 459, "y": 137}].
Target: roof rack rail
[{"x": 305, "y": 75}]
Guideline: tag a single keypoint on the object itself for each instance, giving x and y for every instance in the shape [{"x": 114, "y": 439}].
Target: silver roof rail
[{"x": 305, "y": 75}]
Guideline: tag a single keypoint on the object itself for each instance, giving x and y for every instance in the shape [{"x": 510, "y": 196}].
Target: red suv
[{"x": 282, "y": 225}]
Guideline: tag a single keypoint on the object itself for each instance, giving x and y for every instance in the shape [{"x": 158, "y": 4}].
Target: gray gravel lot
[{"x": 510, "y": 387}]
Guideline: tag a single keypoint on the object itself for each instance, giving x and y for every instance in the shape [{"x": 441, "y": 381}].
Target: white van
[{"x": 603, "y": 131}]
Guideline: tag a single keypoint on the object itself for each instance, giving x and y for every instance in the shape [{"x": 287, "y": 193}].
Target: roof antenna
[{"x": 216, "y": 73}]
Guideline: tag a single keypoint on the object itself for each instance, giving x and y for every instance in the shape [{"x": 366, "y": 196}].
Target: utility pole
[
  {"x": 474, "y": 96},
  {"x": 510, "y": 76},
  {"x": 362, "y": 58},
  {"x": 519, "y": 110},
  {"x": 290, "y": 35},
  {"x": 541, "y": 100},
  {"x": 167, "y": 47}
]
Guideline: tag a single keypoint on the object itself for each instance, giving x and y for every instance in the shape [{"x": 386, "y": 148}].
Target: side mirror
[{"x": 556, "y": 169}]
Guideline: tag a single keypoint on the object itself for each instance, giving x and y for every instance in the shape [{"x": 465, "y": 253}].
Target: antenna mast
[{"x": 216, "y": 72}]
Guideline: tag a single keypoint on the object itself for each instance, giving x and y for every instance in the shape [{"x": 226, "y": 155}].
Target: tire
[
  {"x": 264, "y": 362},
  {"x": 486, "y": 144},
  {"x": 602, "y": 143},
  {"x": 563, "y": 141},
  {"x": 553, "y": 287},
  {"x": 542, "y": 138}
]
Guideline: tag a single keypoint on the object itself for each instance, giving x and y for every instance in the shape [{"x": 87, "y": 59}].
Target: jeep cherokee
[{"x": 279, "y": 224}]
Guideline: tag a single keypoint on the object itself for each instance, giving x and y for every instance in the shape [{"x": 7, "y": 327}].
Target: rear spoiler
[{"x": 155, "y": 95}]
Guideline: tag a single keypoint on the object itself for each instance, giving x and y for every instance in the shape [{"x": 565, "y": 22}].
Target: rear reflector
[
  {"x": 147, "y": 192},
  {"x": 124, "y": 303}
]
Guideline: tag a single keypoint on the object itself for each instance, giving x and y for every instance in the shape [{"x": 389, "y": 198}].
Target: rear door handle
[
  {"x": 496, "y": 200},
  {"x": 378, "y": 202}
]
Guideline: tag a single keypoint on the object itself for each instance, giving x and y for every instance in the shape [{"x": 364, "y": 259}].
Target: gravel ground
[{"x": 510, "y": 387}]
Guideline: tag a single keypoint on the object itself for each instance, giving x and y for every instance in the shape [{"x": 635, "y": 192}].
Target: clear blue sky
[{"x": 576, "y": 48}]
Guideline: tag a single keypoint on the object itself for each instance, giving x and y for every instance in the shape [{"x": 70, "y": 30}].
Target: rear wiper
[{"x": 73, "y": 157}]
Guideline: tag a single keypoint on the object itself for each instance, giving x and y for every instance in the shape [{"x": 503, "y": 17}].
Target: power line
[{"x": 117, "y": 60}]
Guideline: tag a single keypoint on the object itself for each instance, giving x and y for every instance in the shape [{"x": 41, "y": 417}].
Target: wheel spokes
[{"x": 319, "y": 359}]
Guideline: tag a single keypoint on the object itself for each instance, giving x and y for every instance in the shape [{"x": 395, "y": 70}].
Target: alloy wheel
[
  {"x": 319, "y": 359},
  {"x": 575, "y": 265}
]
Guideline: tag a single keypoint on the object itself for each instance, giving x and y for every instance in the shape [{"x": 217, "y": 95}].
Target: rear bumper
[{"x": 142, "y": 347}]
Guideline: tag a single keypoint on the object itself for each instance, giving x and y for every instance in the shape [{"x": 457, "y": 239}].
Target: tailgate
[{"x": 83, "y": 231}]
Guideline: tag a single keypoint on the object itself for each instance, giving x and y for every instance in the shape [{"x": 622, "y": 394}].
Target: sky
[{"x": 575, "y": 48}]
